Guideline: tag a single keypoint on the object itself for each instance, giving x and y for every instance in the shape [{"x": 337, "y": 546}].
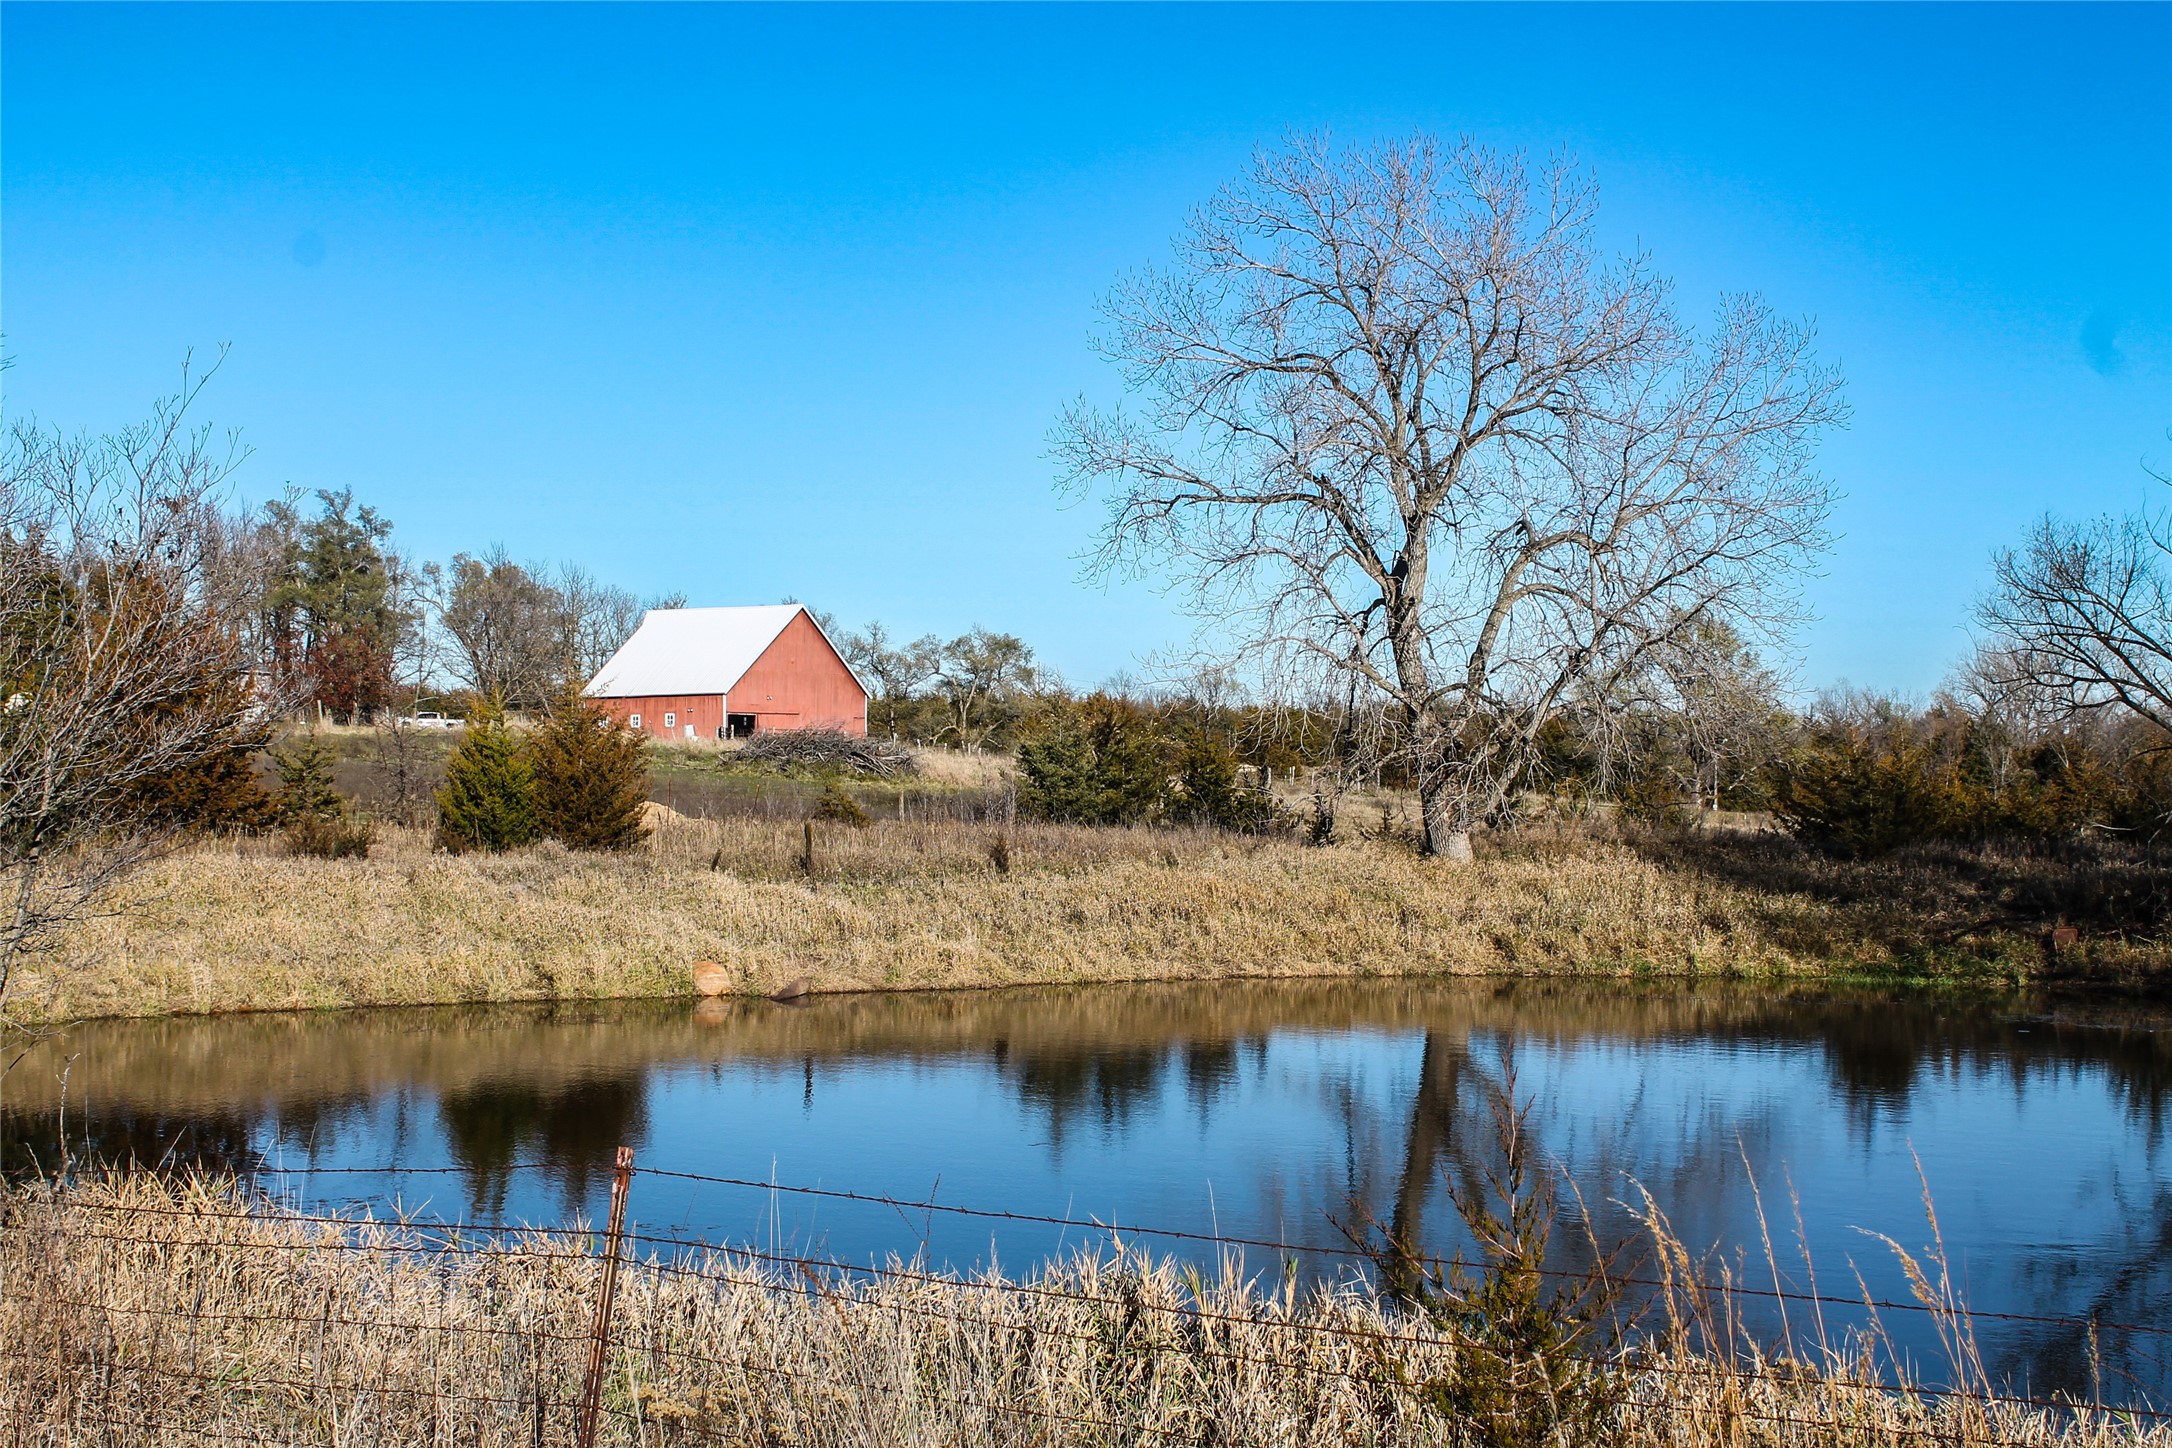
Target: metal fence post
[{"x": 599, "y": 1339}]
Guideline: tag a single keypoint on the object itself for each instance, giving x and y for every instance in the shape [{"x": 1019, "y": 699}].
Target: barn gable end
[{"x": 801, "y": 681}]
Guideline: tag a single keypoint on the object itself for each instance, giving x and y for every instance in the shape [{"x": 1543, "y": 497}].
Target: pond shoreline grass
[
  {"x": 153, "y": 1309},
  {"x": 903, "y": 904}
]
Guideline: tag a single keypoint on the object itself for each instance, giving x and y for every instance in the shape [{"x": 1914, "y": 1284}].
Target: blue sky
[{"x": 750, "y": 302}]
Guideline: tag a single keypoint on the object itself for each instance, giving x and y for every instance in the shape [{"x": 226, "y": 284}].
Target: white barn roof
[{"x": 692, "y": 650}]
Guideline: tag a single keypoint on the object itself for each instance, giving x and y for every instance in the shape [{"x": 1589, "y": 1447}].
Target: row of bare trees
[
  {"x": 523, "y": 633},
  {"x": 970, "y": 691}
]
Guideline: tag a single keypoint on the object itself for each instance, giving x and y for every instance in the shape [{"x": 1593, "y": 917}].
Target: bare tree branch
[{"x": 2083, "y": 612}]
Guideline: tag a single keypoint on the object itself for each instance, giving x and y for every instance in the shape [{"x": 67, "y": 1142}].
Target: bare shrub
[
  {"x": 127, "y": 657},
  {"x": 329, "y": 836}
]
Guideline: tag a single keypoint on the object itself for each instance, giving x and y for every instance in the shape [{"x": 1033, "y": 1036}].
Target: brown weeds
[
  {"x": 899, "y": 904},
  {"x": 148, "y": 1310},
  {"x": 914, "y": 903}
]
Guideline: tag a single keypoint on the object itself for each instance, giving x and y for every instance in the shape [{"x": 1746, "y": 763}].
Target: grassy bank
[
  {"x": 908, "y": 903},
  {"x": 148, "y": 1312}
]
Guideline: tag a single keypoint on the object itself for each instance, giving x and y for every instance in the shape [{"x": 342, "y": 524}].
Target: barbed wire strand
[
  {"x": 1117, "y": 1230},
  {"x": 950, "y": 1281}
]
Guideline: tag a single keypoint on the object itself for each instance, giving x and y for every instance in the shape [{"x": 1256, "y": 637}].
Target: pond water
[{"x": 1268, "y": 1111}]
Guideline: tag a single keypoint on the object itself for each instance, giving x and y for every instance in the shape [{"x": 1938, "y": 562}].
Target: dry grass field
[
  {"x": 147, "y": 1311},
  {"x": 913, "y": 904}
]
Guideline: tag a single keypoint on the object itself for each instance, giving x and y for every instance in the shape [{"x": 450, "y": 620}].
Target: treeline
[
  {"x": 317, "y": 616},
  {"x": 1860, "y": 774},
  {"x": 974, "y": 692},
  {"x": 1864, "y": 775},
  {"x": 327, "y": 618},
  {"x": 341, "y": 623},
  {"x": 575, "y": 777},
  {"x": 2009, "y": 749},
  {"x": 1707, "y": 730},
  {"x": 1998, "y": 753}
]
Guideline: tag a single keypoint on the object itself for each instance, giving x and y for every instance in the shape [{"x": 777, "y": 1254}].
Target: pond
[{"x": 1282, "y": 1113}]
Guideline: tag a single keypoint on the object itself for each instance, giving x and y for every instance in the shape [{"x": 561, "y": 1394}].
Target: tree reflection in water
[
  {"x": 1106, "y": 1087},
  {"x": 37, "y": 1144},
  {"x": 573, "y": 1128}
]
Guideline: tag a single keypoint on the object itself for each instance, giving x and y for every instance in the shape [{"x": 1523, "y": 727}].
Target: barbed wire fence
[{"x": 163, "y": 1313}]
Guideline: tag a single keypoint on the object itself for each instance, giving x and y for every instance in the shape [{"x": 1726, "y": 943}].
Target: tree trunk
[{"x": 1444, "y": 838}]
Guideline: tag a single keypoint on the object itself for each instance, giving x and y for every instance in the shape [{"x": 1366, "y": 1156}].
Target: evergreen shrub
[
  {"x": 1211, "y": 793},
  {"x": 1884, "y": 778},
  {"x": 488, "y": 800},
  {"x": 221, "y": 792},
  {"x": 838, "y": 807},
  {"x": 1099, "y": 763},
  {"x": 318, "y": 819},
  {"x": 591, "y": 777},
  {"x": 305, "y": 781}
]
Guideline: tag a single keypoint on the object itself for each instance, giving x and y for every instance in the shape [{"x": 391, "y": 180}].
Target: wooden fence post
[{"x": 599, "y": 1340}]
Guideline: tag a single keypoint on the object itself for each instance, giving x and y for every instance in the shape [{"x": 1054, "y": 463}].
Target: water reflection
[
  {"x": 573, "y": 1128},
  {"x": 132, "y": 1136},
  {"x": 1273, "y": 1111}
]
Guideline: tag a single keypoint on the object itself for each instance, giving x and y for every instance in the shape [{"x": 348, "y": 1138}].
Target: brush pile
[{"x": 827, "y": 751}]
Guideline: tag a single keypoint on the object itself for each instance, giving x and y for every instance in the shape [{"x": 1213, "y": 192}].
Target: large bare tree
[
  {"x": 513, "y": 633},
  {"x": 594, "y": 619},
  {"x": 1399, "y": 418},
  {"x": 2082, "y": 612},
  {"x": 1721, "y": 706},
  {"x": 897, "y": 670},
  {"x": 126, "y": 654}
]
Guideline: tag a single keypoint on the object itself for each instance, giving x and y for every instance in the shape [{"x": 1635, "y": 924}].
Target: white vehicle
[{"x": 428, "y": 719}]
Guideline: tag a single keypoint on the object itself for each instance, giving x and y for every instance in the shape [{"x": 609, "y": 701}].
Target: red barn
[{"x": 717, "y": 673}]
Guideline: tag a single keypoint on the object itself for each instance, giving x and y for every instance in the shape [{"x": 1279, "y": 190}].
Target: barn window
[
  {"x": 633, "y": 721},
  {"x": 671, "y": 721}
]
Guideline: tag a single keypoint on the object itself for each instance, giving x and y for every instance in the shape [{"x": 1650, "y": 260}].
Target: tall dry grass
[
  {"x": 906, "y": 904},
  {"x": 151, "y": 1311}
]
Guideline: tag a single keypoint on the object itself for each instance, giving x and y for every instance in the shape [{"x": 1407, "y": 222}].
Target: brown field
[
  {"x": 154, "y": 1312},
  {"x": 917, "y": 903}
]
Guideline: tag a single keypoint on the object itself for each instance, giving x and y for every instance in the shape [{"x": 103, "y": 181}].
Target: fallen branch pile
[{"x": 822, "y": 750}]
